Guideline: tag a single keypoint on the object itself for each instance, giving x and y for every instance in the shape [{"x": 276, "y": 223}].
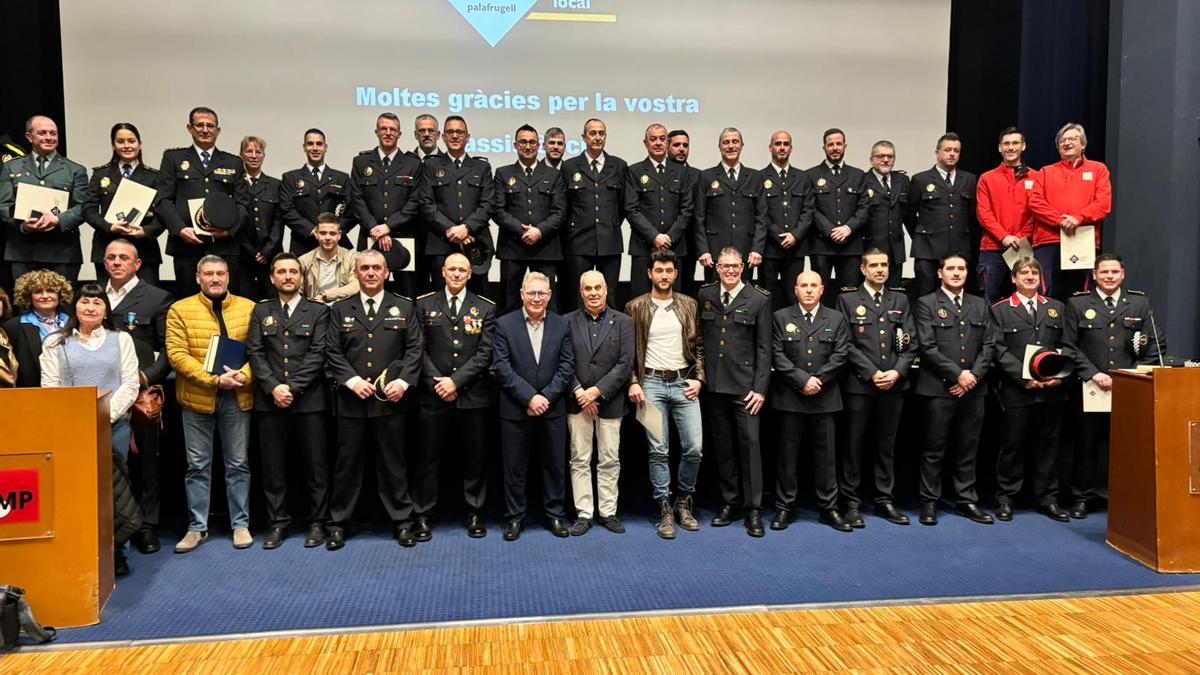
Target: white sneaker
[
  {"x": 190, "y": 541},
  {"x": 242, "y": 538}
]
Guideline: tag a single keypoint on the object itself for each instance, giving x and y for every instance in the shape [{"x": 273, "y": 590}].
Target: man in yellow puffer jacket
[{"x": 210, "y": 401}]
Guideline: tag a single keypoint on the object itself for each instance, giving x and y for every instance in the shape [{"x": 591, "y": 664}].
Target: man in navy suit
[
  {"x": 603, "y": 340},
  {"x": 535, "y": 366}
]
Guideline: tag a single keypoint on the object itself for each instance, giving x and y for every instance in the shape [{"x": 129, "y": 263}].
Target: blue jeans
[
  {"x": 673, "y": 405},
  {"x": 120, "y": 437},
  {"x": 995, "y": 279},
  {"x": 198, "y": 429}
]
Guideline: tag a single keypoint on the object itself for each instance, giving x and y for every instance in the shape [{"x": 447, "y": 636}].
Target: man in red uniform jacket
[
  {"x": 1002, "y": 206},
  {"x": 1075, "y": 191}
]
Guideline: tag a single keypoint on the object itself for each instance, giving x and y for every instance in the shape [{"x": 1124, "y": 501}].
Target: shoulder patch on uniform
[
  {"x": 427, "y": 295},
  {"x": 1133, "y": 292},
  {"x": 762, "y": 290},
  {"x": 487, "y": 300},
  {"x": 1078, "y": 293}
]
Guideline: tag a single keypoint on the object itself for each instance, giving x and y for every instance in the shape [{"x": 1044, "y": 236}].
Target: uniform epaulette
[
  {"x": 902, "y": 172},
  {"x": 479, "y": 157},
  {"x": 402, "y": 297},
  {"x": 1077, "y": 293},
  {"x": 487, "y": 300},
  {"x": 182, "y": 147},
  {"x": 1001, "y": 301},
  {"x": 11, "y": 151},
  {"x": 427, "y": 295},
  {"x": 267, "y": 300},
  {"x": 366, "y": 152},
  {"x": 898, "y": 289},
  {"x": 708, "y": 285},
  {"x": 1133, "y": 292},
  {"x": 149, "y": 168},
  {"x": 762, "y": 290},
  {"x": 101, "y": 167},
  {"x": 849, "y": 289}
]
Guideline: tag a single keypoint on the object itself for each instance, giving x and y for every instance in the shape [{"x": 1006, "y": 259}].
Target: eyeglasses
[
  {"x": 729, "y": 266},
  {"x": 527, "y": 143},
  {"x": 536, "y": 295},
  {"x": 884, "y": 158},
  {"x": 204, "y": 125},
  {"x": 455, "y": 132}
]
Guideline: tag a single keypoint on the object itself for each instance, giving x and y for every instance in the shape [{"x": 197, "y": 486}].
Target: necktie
[
  {"x": 958, "y": 303},
  {"x": 1109, "y": 301},
  {"x": 878, "y": 298},
  {"x": 529, "y": 172},
  {"x": 316, "y": 173},
  {"x": 1032, "y": 309},
  {"x": 41, "y": 163},
  {"x": 783, "y": 175},
  {"x": 253, "y": 180},
  {"x": 950, "y": 178},
  {"x": 386, "y": 162},
  {"x": 454, "y": 306},
  {"x": 837, "y": 169},
  {"x": 660, "y": 169},
  {"x": 808, "y": 318},
  {"x": 887, "y": 184},
  {"x": 287, "y": 311},
  {"x": 596, "y": 167},
  {"x": 370, "y": 309},
  {"x": 204, "y": 157},
  {"x": 732, "y": 175},
  {"x": 126, "y": 170},
  {"x": 457, "y": 164},
  {"x": 725, "y": 298}
]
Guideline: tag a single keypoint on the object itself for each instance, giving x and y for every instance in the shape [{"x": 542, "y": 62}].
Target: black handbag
[{"x": 15, "y": 615}]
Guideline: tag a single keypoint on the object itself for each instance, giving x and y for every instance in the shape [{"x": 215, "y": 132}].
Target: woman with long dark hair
[{"x": 143, "y": 231}]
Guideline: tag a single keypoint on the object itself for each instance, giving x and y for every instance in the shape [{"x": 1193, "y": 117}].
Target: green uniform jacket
[{"x": 60, "y": 245}]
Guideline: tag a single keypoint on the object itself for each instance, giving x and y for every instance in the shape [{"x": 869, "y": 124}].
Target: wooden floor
[{"x": 1120, "y": 634}]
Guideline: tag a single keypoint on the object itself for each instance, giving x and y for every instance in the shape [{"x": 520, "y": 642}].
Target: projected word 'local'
[{"x": 494, "y": 20}]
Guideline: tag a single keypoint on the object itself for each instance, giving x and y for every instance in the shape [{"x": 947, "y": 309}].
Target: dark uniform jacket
[
  {"x": 289, "y": 351},
  {"x": 657, "y": 205},
  {"x": 60, "y": 245},
  {"x": 729, "y": 213},
  {"x": 143, "y": 313},
  {"x": 595, "y": 206},
  {"x": 302, "y": 198},
  {"x": 393, "y": 197},
  {"x": 939, "y": 215},
  {"x": 881, "y": 338},
  {"x": 737, "y": 340},
  {"x": 539, "y": 200},
  {"x": 885, "y": 215},
  {"x": 181, "y": 178},
  {"x": 264, "y": 233},
  {"x": 520, "y": 377},
  {"x": 462, "y": 196},
  {"x": 789, "y": 210},
  {"x": 460, "y": 349},
  {"x": 801, "y": 351},
  {"x": 100, "y": 192},
  {"x": 606, "y": 364},
  {"x": 838, "y": 200},
  {"x": 1016, "y": 329},
  {"x": 392, "y": 346},
  {"x": 952, "y": 341},
  {"x": 1101, "y": 340}
]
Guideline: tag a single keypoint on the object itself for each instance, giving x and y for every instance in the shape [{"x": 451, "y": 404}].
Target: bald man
[{"x": 810, "y": 345}]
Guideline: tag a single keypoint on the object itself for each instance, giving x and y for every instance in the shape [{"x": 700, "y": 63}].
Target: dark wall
[{"x": 35, "y": 86}]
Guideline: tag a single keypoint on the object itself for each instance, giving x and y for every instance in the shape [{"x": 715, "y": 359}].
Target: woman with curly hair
[{"x": 38, "y": 296}]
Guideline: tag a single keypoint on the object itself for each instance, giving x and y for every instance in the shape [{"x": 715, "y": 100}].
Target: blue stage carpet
[{"x": 373, "y": 582}]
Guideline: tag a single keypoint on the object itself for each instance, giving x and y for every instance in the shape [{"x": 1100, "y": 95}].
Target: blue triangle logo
[{"x": 493, "y": 20}]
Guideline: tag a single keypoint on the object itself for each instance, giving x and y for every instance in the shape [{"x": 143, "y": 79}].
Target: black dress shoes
[
  {"x": 512, "y": 531},
  {"x": 315, "y": 536},
  {"x": 613, "y": 524},
  {"x": 558, "y": 527},
  {"x": 726, "y": 516},
  {"x": 121, "y": 565},
  {"x": 754, "y": 526},
  {"x": 854, "y": 517},
  {"x": 422, "y": 531},
  {"x": 406, "y": 536},
  {"x": 1054, "y": 512},
  {"x": 581, "y": 527},
  {"x": 928, "y": 514},
  {"x": 782, "y": 519},
  {"x": 1079, "y": 509},
  {"x": 336, "y": 538},
  {"x": 146, "y": 542},
  {"x": 971, "y": 510},
  {"x": 1005, "y": 512},
  {"x": 890, "y": 513},
  {"x": 275, "y": 538},
  {"x": 475, "y": 526},
  {"x": 832, "y": 518}
]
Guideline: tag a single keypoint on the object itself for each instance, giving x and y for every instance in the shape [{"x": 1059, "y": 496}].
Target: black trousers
[
  {"x": 548, "y": 438},
  {"x": 512, "y": 273},
  {"x": 846, "y": 271},
  {"x": 185, "y": 275},
  {"x": 575, "y": 265},
  {"x": 300, "y": 436},
  {"x": 415, "y": 283},
  {"x": 869, "y": 425},
  {"x": 735, "y": 434},
  {"x": 147, "y": 478},
  {"x": 925, "y": 279},
  {"x": 1091, "y": 438},
  {"x": 778, "y": 275},
  {"x": 148, "y": 273},
  {"x": 951, "y": 419},
  {"x": 816, "y": 432},
  {"x": 386, "y": 437},
  {"x": 461, "y": 436},
  {"x": 1032, "y": 429}
]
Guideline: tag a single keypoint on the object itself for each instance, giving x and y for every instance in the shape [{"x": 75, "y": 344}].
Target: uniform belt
[{"x": 666, "y": 375}]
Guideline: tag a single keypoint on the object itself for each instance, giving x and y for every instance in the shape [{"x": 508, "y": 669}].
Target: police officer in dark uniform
[
  {"x": 592, "y": 238},
  {"x": 789, "y": 197},
  {"x": 191, "y": 173},
  {"x": 102, "y": 188},
  {"x": 262, "y": 237},
  {"x": 463, "y": 197},
  {"x": 679, "y": 146},
  {"x": 659, "y": 199},
  {"x": 840, "y": 214},
  {"x": 311, "y": 190},
  {"x": 809, "y": 349},
  {"x": 531, "y": 206},
  {"x": 1032, "y": 404},
  {"x": 456, "y": 393},
  {"x": 957, "y": 346},
  {"x": 731, "y": 209},
  {"x": 425, "y": 128},
  {"x": 887, "y": 205},
  {"x": 374, "y": 357},
  {"x": 735, "y": 325},
  {"x": 1107, "y": 327},
  {"x": 941, "y": 204},
  {"x": 882, "y": 350},
  {"x": 388, "y": 191},
  {"x": 286, "y": 349}
]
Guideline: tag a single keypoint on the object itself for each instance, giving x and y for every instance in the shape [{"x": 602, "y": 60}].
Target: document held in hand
[
  {"x": 1096, "y": 399},
  {"x": 39, "y": 198},
  {"x": 1024, "y": 250},
  {"x": 1078, "y": 251},
  {"x": 652, "y": 419},
  {"x": 130, "y": 196},
  {"x": 224, "y": 351}
]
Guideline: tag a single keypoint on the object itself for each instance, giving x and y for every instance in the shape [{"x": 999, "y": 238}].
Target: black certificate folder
[{"x": 224, "y": 351}]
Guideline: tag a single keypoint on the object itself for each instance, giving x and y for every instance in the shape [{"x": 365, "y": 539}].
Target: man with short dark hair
[
  {"x": 328, "y": 269},
  {"x": 311, "y": 190},
  {"x": 940, "y": 207},
  {"x": 463, "y": 194},
  {"x": 659, "y": 201},
  {"x": 679, "y": 146},
  {"x": 592, "y": 237},
  {"x": 555, "y": 144},
  {"x": 1004, "y": 215},
  {"x": 788, "y": 193},
  {"x": 840, "y": 213},
  {"x": 731, "y": 209}
]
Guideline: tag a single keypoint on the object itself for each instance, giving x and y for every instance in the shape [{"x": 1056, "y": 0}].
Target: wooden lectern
[
  {"x": 56, "y": 506},
  {"x": 1154, "y": 468}
]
